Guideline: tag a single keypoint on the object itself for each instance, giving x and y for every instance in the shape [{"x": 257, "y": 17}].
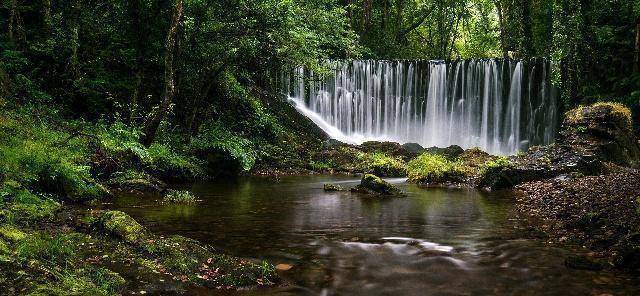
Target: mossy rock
[
  {"x": 122, "y": 226},
  {"x": 392, "y": 149},
  {"x": 184, "y": 256},
  {"x": 451, "y": 153},
  {"x": 603, "y": 129},
  {"x": 332, "y": 187},
  {"x": 372, "y": 184}
]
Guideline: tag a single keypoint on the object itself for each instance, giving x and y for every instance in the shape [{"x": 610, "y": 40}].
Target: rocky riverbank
[{"x": 52, "y": 242}]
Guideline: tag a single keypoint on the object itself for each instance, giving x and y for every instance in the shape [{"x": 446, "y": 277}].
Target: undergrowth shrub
[
  {"x": 224, "y": 149},
  {"x": 45, "y": 159},
  {"x": 179, "y": 196}
]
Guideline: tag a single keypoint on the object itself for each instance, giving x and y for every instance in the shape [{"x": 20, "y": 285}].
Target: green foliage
[
  {"x": 45, "y": 247},
  {"x": 172, "y": 165},
  {"x": 119, "y": 138},
  {"x": 380, "y": 164},
  {"x": 31, "y": 154},
  {"x": 498, "y": 163},
  {"x": 428, "y": 168},
  {"x": 214, "y": 137},
  {"x": 179, "y": 196},
  {"x": 24, "y": 207}
]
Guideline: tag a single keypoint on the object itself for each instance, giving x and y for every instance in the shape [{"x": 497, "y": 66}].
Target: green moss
[
  {"x": 499, "y": 163},
  {"x": 179, "y": 196},
  {"x": 618, "y": 112},
  {"x": 79, "y": 284},
  {"x": 428, "y": 168},
  {"x": 380, "y": 164},
  {"x": 28, "y": 208},
  {"x": 123, "y": 226},
  {"x": 11, "y": 233},
  {"x": 46, "y": 247},
  {"x": 332, "y": 187},
  {"x": 372, "y": 184}
]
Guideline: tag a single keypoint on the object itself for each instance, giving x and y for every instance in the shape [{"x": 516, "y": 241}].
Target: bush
[
  {"x": 31, "y": 153},
  {"x": 215, "y": 139},
  {"x": 179, "y": 196},
  {"x": 429, "y": 168},
  {"x": 380, "y": 164},
  {"x": 25, "y": 207},
  {"x": 169, "y": 165},
  {"x": 497, "y": 164}
]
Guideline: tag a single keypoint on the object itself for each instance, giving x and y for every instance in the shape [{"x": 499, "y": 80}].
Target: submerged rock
[
  {"x": 583, "y": 263},
  {"x": 332, "y": 187},
  {"x": 372, "y": 184}
]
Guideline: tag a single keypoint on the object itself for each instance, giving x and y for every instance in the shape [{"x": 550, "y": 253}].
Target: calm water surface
[{"x": 433, "y": 242}]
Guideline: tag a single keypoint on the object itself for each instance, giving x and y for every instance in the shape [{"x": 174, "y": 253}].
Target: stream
[{"x": 433, "y": 242}]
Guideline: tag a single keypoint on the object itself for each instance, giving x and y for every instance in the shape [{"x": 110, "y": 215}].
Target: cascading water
[{"x": 497, "y": 105}]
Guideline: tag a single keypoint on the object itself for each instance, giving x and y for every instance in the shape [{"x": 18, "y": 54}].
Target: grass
[{"x": 428, "y": 168}]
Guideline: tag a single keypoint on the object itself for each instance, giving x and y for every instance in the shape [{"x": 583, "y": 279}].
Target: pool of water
[{"x": 432, "y": 242}]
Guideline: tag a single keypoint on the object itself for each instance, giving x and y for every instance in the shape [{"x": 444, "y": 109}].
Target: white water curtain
[{"x": 471, "y": 103}]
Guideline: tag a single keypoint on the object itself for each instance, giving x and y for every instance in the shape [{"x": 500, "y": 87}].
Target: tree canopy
[{"x": 110, "y": 56}]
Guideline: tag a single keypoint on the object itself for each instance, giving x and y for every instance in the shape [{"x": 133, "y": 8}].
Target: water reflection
[{"x": 433, "y": 242}]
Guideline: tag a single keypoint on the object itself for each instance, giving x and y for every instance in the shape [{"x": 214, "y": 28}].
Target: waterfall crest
[{"x": 500, "y": 106}]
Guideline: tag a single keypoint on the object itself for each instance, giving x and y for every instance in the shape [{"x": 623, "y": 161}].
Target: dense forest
[{"x": 102, "y": 96}]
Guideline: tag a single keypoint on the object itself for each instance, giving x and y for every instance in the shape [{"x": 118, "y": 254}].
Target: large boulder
[
  {"x": 593, "y": 140},
  {"x": 372, "y": 184},
  {"x": 604, "y": 130}
]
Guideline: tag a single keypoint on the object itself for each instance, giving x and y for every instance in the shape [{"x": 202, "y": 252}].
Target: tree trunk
[
  {"x": 155, "y": 118},
  {"x": 133, "y": 105},
  {"x": 503, "y": 32},
  {"x": 75, "y": 38},
  {"x": 46, "y": 16},
  {"x": 636, "y": 57},
  {"x": 13, "y": 18},
  {"x": 527, "y": 31}
]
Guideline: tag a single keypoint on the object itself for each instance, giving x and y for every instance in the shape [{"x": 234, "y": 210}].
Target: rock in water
[
  {"x": 372, "y": 184},
  {"x": 283, "y": 267},
  {"x": 332, "y": 187}
]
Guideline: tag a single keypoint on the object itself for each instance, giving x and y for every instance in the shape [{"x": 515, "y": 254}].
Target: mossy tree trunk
[
  {"x": 636, "y": 57},
  {"x": 155, "y": 118}
]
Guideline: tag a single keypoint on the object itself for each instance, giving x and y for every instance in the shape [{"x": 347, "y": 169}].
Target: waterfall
[{"x": 500, "y": 106}]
